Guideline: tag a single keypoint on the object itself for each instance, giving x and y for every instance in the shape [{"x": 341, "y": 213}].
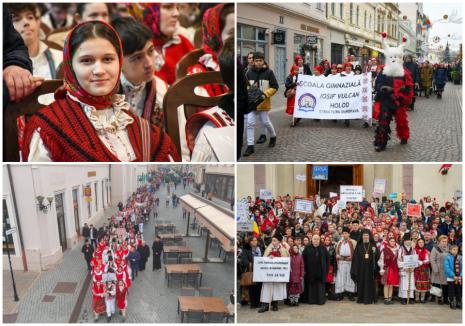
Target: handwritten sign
[
  {"x": 414, "y": 210},
  {"x": 266, "y": 194},
  {"x": 336, "y": 97},
  {"x": 303, "y": 205},
  {"x": 275, "y": 269},
  {"x": 379, "y": 186},
  {"x": 351, "y": 193},
  {"x": 243, "y": 221}
]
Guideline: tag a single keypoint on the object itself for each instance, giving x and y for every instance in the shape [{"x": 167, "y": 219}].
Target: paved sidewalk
[{"x": 46, "y": 300}]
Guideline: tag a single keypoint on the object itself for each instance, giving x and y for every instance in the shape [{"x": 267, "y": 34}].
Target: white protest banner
[
  {"x": 410, "y": 261},
  {"x": 243, "y": 221},
  {"x": 303, "y": 205},
  {"x": 266, "y": 269},
  {"x": 266, "y": 194},
  {"x": 338, "y": 97},
  {"x": 379, "y": 186},
  {"x": 351, "y": 193}
]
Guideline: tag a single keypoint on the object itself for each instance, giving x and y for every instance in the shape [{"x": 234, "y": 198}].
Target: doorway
[
  {"x": 280, "y": 64},
  {"x": 61, "y": 220},
  {"x": 76, "y": 212},
  {"x": 343, "y": 174}
]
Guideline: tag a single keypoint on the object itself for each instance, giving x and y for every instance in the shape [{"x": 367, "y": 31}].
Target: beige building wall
[{"x": 428, "y": 181}]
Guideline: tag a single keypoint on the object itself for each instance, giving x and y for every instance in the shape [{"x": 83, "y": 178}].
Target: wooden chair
[
  {"x": 182, "y": 93},
  {"x": 186, "y": 61},
  {"x": 60, "y": 72},
  {"x": 187, "y": 292},
  {"x": 45, "y": 28},
  {"x": 28, "y": 106},
  {"x": 194, "y": 316},
  {"x": 205, "y": 292},
  {"x": 53, "y": 45},
  {"x": 215, "y": 317}
]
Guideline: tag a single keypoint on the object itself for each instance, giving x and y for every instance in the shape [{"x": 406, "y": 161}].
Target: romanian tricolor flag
[{"x": 255, "y": 228}]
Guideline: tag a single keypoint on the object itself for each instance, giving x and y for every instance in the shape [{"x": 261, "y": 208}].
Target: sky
[{"x": 435, "y": 11}]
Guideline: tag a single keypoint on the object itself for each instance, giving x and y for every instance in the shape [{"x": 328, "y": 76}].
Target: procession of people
[{"x": 362, "y": 252}]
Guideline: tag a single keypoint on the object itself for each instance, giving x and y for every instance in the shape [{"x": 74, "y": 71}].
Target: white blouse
[{"x": 110, "y": 124}]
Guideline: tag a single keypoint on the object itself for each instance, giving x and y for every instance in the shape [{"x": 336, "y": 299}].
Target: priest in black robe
[
  {"x": 316, "y": 263},
  {"x": 364, "y": 268}
]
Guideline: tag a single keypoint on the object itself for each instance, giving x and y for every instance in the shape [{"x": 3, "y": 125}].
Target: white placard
[
  {"x": 266, "y": 194},
  {"x": 266, "y": 269},
  {"x": 10, "y": 231},
  {"x": 379, "y": 186},
  {"x": 410, "y": 261},
  {"x": 338, "y": 97},
  {"x": 333, "y": 194},
  {"x": 301, "y": 177},
  {"x": 244, "y": 222},
  {"x": 351, "y": 193},
  {"x": 303, "y": 205}
]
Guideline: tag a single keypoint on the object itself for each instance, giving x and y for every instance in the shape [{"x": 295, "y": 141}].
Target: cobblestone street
[
  {"x": 349, "y": 312},
  {"x": 435, "y": 135}
]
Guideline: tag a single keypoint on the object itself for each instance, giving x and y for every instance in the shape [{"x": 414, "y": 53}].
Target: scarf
[
  {"x": 212, "y": 42},
  {"x": 71, "y": 85},
  {"x": 421, "y": 252},
  {"x": 275, "y": 252},
  {"x": 149, "y": 14}
]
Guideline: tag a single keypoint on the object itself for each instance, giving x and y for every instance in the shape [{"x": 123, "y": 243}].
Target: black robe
[
  {"x": 363, "y": 272},
  {"x": 316, "y": 262},
  {"x": 144, "y": 252},
  {"x": 157, "y": 248}
]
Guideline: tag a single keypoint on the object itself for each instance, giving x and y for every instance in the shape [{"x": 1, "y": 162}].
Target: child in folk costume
[
  {"x": 291, "y": 86},
  {"x": 389, "y": 270},
  {"x": 407, "y": 281},
  {"x": 394, "y": 92},
  {"x": 453, "y": 272},
  {"x": 122, "y": 275},
  {"x": 294, "y": 287},
  {"x": 98, "y": 300},
  {"x": 88, "y": 121},
  {"x": 344, "y": 255},
  {"x": 272, "y": 292},
  {"x": 422, "y": 272},
  {"x": 110, "y": 298},
  {"x": 97, "y": 274},
  {"x": 122, "y": 298}
]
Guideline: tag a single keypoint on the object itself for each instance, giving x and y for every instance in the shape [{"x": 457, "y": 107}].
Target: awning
[
  {"x": 190, "y": 203},
  {"x": 374, "y": 48},
  {"x": 220, "y": 224},
  {"x": 356, "y": 43}
]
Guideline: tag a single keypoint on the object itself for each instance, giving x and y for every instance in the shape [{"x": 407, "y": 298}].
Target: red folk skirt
[
  {"x": 121, "y": 301},
  {"x": 422, "y": 278},
  {"x": 290, "y": 105},
  {"x": 98, "y": 304},
  {"x": 391, "y": 276}
]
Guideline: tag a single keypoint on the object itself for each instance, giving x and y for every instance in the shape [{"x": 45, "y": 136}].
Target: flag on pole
[{"x": 444, "y": 169}]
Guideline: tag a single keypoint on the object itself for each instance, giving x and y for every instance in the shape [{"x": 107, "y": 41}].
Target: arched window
[
  {"x": 379, "y": 21},
  {"x": 351, "y": 12},
  {"x": 358, "y": 15},
  {"x": 333, "y": 9}
]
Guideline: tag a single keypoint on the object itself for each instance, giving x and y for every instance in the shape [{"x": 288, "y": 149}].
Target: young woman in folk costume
[
  {"x": 422, "y": 272},
  {"x": 394, "y": 93},
  {"x": 122, "y": 297},
  {"x": 162, "y": 19},
  {"x": 88, "y": 121},
  {"x": 389, "y": 269},
  {"x": 98, "y": 299}
]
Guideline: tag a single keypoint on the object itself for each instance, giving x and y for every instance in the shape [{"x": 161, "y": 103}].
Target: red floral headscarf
[
  {"x": 212, "y": 42},
  {"x": 149, "y": 14},
  {"x": 71, "y": 85}
]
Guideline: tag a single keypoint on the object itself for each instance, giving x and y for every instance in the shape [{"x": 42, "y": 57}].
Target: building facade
[
  {"x": 412, "y": 12},
  {"x": 415, "y": 180},
  {"x": 282, "y": 31},
  {"x": 48, "y": 205}
]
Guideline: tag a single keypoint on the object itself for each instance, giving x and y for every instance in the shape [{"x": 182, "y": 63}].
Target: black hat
[
  {"x": 278, "y": 236},
  {"x": 407, "y": 236},
  {"x": 355, "y": 222},
  {"x": 345, "y": 229}
]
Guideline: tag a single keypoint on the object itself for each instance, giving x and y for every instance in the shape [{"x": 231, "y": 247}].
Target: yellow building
[{"x": 415, "y": 180}]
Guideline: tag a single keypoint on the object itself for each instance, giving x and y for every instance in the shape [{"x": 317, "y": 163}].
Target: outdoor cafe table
[
  {"x": 177, "y": 249},
  {"x": 205, "y": 304},
  {"x": 182, "y": 268}
]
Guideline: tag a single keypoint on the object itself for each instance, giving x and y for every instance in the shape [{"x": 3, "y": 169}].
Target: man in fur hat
[
  {"x": 394, "y": 93},
  {"x": 344, "y": 254}
]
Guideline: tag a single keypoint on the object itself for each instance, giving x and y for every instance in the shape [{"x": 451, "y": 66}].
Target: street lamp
[{"x": 5, "y": 235}]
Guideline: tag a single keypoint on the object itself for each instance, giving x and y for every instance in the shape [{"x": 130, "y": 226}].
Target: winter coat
[
  {"x": 297, "y": 268},
  {"x": 267, "y": 83},
  {"x": 426, "y": 77},
  {"x": 449, "y": 268},
  {"x": 414, "y": 71},
  {"x": 437, "y": 265},
  {"x": 440, "y": 77}
]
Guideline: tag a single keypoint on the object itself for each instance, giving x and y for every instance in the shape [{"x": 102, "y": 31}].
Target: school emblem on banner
[{"x": 307, "y": 102}]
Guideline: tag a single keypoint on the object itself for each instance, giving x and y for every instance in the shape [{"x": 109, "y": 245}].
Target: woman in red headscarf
[
  {"x": 89, "y": 122},
  {"x": 98, "y": 300},
  {"x": 217, "y": 26},
  {"x": 122, "y": 298},
  {"x": 422, "y": 273},
  {"x": 162, "y": 19}
]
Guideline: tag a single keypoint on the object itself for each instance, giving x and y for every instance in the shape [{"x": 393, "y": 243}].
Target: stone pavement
[
  {"x": 43, "y": 302},
  {"x": 24, "y": 281},
  {"x": 435, "y": 129},
  {"x": 350, "y": 312},
  {"x": 150, "y": 300}
]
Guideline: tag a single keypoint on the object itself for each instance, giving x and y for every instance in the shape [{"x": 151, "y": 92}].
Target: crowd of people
[
  {"x": 117, "y": 62},
  {"x": 359, "y": 252},
  {"x": 417, "y": 78},
  {"x": 117, "y": 252}
]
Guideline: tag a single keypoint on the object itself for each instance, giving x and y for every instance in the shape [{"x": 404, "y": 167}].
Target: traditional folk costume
[
  {"x": 294, "y": 287},
  {"x": 388, "y": 264},
  {"x": 407, "y": 280},
  {"x": 394, "y": 93},
  {"x": 422, "y": 273},
  {"x": 121, "y": 296},
  {"x": 171, "y": 50},
  {"x": 98, "y": 301},
  {"x": 344, "y": 255},
  {"x": 110, "y": 299},
  {"x": 79, "y": 127}
]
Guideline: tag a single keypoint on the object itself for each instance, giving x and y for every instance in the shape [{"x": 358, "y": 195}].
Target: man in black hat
[
  {"x": 355, "y": 233},
  {"x": 364, "y": 268},
  {"x": 406, "y": 280},
  {"x": 344, "y": 255}
]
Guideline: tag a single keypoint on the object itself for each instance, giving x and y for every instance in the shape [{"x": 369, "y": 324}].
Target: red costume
[
  {"x": 422, "y": 272},
  {"x": 97, "y": 276},
  {"x": 291, "y": 88},
  {"x": 273, "y": 222},
  {"x": 98, "y": 301},
  {"x": 391, "y": 270},
  {"x": 121, "y": 296}
]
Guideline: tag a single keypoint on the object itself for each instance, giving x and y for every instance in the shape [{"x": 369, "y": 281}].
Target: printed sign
[
  {"x": 303, "y": 205},
  {"x": 275, "y": 269},
  {"x": 410, "y": 261},
  {"x": 337, "y": 97},
  {"x": 379, "y": 186},
  {"x": 266, "y": 194},
  {"x": 320, "y": 172},
  {"x": 414, "y": 210},
  {"x": 352, "y": 193}
]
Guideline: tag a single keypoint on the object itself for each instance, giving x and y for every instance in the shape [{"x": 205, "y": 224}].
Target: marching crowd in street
[
  {"x": 417, "y": 79},
  {"x": 360, "y": 252}
]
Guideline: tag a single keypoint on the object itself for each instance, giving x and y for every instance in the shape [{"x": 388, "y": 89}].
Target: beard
[{"x": 394, "y": 70}]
